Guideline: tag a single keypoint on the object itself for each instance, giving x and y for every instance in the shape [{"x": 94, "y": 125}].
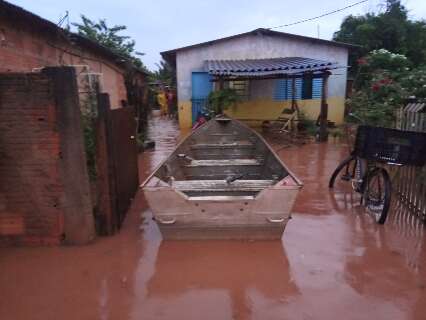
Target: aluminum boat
[{"x": 223, "y": 181}]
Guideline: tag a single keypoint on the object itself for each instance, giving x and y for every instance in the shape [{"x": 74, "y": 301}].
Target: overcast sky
[{"x": 159, "y": 25}]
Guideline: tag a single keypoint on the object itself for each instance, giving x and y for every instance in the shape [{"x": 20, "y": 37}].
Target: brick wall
[
  {"x": 44, "y": 189},
  {"x": 24, "y": 47}
]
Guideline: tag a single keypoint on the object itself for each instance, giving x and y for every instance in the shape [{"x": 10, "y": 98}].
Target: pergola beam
[{"x": 311, "y": 74}]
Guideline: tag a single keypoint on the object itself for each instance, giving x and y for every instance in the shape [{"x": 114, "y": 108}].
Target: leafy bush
[
  {"x": 88, "y": 118},
  {"x": 220, "y": 100},
  {"x": 382, "y": 85},
  {"x": 307, "y": 125},
  {"x": 89, "y": 135},
  {"x": 378, "y": 61}
]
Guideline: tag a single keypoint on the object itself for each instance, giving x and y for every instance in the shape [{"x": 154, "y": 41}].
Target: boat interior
[{"x": 222, "y": 158}]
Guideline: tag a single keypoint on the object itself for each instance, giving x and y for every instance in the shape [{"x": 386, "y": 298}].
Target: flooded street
[{"x": 333, "y": 261}]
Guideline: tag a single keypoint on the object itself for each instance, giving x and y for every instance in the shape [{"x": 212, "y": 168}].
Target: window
[
  {"x": 307, "y": 88},
  {"x": 284, "y": 89},
  {"x": 316, "y": 88},
  {"x": 297, "y": 89},
  {"x": 241, "y": 87},
  {"x": 280, "y": 91}
]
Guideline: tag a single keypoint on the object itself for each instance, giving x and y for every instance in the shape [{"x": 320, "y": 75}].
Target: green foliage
[
  {"x": 374, "y": 110},
  {"x": 309, "y": 126},
  {"x": 220, "y": 100},
  {"x": 88, "y": 117},
  {"x": 383, "y": 83},
  {"x": 413, "y": 82},
  {"x": 165, "y": 74},
  {"x": 391, "y": 30},
  {"x": 109, "y": 37}
]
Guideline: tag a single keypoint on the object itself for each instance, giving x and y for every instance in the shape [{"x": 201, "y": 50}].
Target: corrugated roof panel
[{"x": 262, "y": 67}]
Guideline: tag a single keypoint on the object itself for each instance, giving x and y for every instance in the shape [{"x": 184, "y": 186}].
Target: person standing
[
  {"x": 170, "y": 102},
  {"x": 162, "y": 102}
]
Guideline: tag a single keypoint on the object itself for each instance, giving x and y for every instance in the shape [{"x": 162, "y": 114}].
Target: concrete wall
[
  {"x": 260, "y": 47},
  {"x": 23, "y": 49},
  {"x": 44, "y": 185}
]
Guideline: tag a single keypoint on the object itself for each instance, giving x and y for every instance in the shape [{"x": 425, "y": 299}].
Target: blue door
[{"x": 201, "y": 88}]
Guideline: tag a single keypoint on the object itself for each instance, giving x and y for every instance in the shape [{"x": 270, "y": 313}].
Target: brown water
[{"x": 332, "y": 263}]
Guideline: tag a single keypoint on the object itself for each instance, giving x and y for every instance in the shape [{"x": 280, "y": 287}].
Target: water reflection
[
  {"x": 224, "y": 277},
  {"x": 403, "y": 230}
]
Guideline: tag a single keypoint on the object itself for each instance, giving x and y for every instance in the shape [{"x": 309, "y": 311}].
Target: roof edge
[{"x": 261, "y": 31}]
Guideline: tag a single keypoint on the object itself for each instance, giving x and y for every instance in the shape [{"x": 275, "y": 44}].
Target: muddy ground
[{"x": 332, "y": 263}]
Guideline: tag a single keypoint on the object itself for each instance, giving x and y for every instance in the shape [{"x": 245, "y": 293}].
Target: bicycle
[{"x": 364, "y": 168}]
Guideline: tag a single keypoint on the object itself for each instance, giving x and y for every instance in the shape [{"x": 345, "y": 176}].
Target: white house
[{"x": 261, "y": 65}]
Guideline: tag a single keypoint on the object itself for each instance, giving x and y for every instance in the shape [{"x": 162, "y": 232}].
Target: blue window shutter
[
  {"x": 298, "y": 89},
  {"x": 289, "y": 89},
  {"x": 284, "y": 89},
  {"x": 280, "y": 90},
  {"x": 316, "y": 88}
]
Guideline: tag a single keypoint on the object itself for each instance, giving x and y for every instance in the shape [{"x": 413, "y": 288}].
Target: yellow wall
[
  {"x": 185, "y": 114},
  {"x": 265, "y": 109}
]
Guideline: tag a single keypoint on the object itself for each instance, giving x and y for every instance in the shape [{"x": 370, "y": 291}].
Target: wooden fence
[{"x": 411, "y": 183}]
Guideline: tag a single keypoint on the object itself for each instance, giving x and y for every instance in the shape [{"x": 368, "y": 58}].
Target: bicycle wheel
[
  {"x": 377, "y": 194},
  {"x": 350, "y": 170}
]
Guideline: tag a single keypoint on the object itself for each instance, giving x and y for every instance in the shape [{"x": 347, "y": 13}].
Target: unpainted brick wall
[
  {"x": 33, "y": 198},
  {"x": 24, "y": 47}
]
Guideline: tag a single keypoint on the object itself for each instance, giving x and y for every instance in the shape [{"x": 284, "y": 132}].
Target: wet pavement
[{"x": 332, "y": 263}]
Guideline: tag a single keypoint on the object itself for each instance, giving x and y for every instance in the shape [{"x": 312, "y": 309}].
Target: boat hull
[
  {"x": 191, "y": 197},
  {"x": 222, "y": 217},
  {"x": 223, "y": 233}
]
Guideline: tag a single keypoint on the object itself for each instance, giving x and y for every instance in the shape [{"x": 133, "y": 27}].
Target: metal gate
[
  {"x": 411, "y": 183},
  {"x": 123, "y": 127},
  {"x": 117, "y": 164}
]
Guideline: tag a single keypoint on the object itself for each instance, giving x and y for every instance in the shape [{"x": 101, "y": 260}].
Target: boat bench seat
[
  {"x": 222, "y": 185},
  {"x": 226, "y": 162},
  {"x": 229, "y": 145}
]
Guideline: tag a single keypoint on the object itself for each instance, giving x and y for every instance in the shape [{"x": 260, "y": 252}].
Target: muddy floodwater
[{"x": 333, "y": 262}]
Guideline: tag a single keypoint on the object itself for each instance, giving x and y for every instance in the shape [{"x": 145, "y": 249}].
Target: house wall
[
  {"x": 23, "y": 49},
  {"x": 261, "y": 104},
  {"x": 44, "y": 188}
]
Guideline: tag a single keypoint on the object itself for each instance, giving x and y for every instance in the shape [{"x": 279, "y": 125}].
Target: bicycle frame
[{"x": 371, "y": 165}]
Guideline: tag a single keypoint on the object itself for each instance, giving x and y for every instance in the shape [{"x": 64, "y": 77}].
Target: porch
[{"x": 266, "y": 87}]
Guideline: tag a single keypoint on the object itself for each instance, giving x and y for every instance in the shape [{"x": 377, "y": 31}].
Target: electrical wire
[{"x": 317, "y": 17}]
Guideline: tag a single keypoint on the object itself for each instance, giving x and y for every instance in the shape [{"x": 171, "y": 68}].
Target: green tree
[
  {"x": 390, "y": 30},
  {"x": 165, "y": 74},
  {"x": 109, "y": 37}
]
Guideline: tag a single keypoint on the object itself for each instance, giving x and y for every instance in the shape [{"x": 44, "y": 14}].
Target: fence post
[{"x": 323, "y": 132}]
